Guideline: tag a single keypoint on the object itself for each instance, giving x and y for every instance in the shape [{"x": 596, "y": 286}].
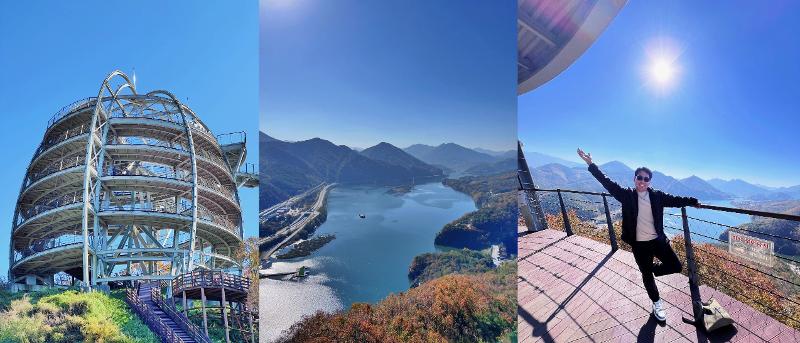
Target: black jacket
[{"x": 630, "y": 205}]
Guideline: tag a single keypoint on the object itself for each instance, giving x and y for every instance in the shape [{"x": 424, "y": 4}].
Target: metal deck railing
[{"x": 779, "y": 296}]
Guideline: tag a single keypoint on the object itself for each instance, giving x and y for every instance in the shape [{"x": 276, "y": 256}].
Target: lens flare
[{"x": 662, "y": 69}]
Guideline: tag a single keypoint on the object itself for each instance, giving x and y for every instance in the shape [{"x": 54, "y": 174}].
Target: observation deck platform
[{"x": 574, "y": 289}]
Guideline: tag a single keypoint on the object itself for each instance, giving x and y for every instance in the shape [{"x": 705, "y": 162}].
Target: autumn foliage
[{"x": 452, "y": 308}]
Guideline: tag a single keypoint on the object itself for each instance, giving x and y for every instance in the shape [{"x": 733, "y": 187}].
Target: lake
[
  {"x": 702, "y": 228},
  {"x": 370, "y": 256}
]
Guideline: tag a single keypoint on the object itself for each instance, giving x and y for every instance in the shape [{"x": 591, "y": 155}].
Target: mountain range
[
  {"x": 560, "y": 173},
  {"x": 292, "y": 167},
  {"x": 454, "y": 157},
  {"x": 556, "y": 175}
]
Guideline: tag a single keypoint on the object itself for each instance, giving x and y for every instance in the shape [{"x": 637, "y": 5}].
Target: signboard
[{"x": 750, "y": 248}]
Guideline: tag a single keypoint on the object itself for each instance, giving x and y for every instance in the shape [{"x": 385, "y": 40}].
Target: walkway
[
  {"x": 146, "y": 298},
  {"x": 572, "y": 289}
]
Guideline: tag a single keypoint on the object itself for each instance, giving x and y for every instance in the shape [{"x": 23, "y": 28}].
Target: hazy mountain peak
[
  {"x": 615, "y": 166},
  {"x": 265, "y": 137}
]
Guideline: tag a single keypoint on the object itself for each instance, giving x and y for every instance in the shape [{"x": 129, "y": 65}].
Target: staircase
[{"x": 146, "y": 296}]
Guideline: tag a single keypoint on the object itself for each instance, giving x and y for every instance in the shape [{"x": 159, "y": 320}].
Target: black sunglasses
[{"x": 642, "y": 178}]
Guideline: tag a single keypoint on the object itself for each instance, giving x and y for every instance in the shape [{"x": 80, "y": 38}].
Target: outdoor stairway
[
  {"x": 574, "y": 289},
  {"x": 145, "y": 295}
]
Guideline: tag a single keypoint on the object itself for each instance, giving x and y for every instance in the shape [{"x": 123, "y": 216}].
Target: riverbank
[
  {"x": 306, "y": 247},
  {"x": 370, "y": 256}
]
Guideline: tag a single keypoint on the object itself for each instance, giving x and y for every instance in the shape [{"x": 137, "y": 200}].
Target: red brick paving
[{"x": 572, "y": 289}]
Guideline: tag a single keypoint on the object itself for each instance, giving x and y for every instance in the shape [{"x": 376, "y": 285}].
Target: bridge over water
[{"x": 576, "y": 283}]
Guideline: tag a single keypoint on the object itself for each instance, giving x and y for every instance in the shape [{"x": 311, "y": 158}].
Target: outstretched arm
[
  {"x": 612, "y": 187},
  {"x": 678, "y": 201}
]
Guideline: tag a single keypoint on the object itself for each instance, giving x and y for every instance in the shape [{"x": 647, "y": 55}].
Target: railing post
[
  {"x": 694, "y": 280},
  {"x": 611, "y": 235},
  {"x": 567, "y": 227}
]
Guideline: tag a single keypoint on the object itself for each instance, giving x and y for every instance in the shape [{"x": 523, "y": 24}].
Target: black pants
[{"x": 644, "y": 252}]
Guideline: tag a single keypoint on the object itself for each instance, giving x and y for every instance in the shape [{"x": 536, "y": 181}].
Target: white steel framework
[{"x": 127, "y": 186}]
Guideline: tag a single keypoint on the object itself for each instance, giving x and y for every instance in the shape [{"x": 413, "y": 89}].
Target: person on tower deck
[{"x": 643, "y": 228}]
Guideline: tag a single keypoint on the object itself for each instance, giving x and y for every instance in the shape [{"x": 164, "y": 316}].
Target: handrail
[
  {"x": 45, "y": 244},
  {"x": 78, "y": 104},
  {"x": 191, "y": 329},
  {"x": 692, "y": 263},
  {"x": 215, "y": 186},
  {"x": 248, "y": 168},
  {"x": 147, "y": 170},
  {"x": 54, "y": 140},
  {"x": 50, "y": 204},
  {"x": 565, "y": 191},
  {"x": 150, "y": 318},
  {"x": 232, "y": 138},
  {"x": 751, "y": 212},
  {"x": 56, "y": 166},
  {"x": 210, "y": 279},
  {"x": 704, "y": 206}
]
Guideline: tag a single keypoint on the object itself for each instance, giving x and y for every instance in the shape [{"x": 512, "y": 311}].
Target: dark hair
[{"x": 644, "y": 169}]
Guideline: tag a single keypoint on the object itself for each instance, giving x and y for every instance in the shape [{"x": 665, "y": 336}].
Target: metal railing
[
  {"x": 239, "y": 137},
  {"x": 180, "y": 319},
  {"x": 44, "y": 244},
  {"x": 210, "y": 279},
  {"x": 138, "y": 140},
  {"x": 56, "y": 166},
  {"x": 60, "y": 137},
  {"x": 149, "y": 317},
  {"x": 218, "y": 219},
  {"x": 690, "y": 254},
  {"x": 79, "y": 104},
  {"x": 216, "y": 186},
  {"x": 49, "y": 204},
  {"x": 248, "y": 168},
  {"x": 151, "y": 170},
  {"x": 142, "y": 107}
]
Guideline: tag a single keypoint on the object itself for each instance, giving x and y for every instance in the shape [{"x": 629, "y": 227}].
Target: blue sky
[
  {"x": 731, "y": 110},
  {"x": 56, "y": 52},
  {"x": 361, "y": 72}
]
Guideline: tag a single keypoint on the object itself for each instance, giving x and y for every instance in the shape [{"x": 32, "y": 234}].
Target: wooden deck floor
[{"x": 572, "y": 289}]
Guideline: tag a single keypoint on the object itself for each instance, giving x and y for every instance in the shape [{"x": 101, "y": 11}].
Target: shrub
[{"x": 71, "y": 316}]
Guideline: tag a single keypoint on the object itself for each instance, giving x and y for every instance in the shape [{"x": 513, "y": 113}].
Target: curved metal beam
[{"x": 90, "y": 147}]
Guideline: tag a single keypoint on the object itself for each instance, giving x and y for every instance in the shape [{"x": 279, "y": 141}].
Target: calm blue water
[
  {"x": 369, "y": 258},
  {"x": 701, "y": 228}
]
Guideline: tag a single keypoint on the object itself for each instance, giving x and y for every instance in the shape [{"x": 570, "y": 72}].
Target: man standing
[{"x": 643, "y": 227}]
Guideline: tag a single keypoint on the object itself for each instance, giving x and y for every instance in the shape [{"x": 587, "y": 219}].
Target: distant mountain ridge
[
  {"x": 559, "y": 175},
  {"x": 292, "y": 167},
  {"x": 502, "y": 166},
  {"x": 450, "y": 155},
  {"x": 393, "y": 155},
  {"x": 537, "y": 159},
  {"x": 555, "y": 175},
  {"x": 500, "y": 154}
]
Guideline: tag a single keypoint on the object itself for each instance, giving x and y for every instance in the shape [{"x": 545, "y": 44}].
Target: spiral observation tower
[{"x": 126, "y": 187}]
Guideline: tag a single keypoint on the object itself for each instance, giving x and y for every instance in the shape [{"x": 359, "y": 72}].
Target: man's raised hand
[{"x": 586, "y": 157}]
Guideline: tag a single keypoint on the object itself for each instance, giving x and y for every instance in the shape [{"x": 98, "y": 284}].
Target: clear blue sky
[
  {"x": 55, "y": 52},
  {"x": 361, "y": 72},
  {"x": 732, "y": 110}
]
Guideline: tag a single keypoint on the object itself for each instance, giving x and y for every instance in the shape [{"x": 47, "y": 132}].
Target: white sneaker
[{"x": 658, "y": 310}]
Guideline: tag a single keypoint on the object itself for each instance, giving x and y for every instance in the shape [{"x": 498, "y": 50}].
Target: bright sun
[{"x": 662, "y": 71}]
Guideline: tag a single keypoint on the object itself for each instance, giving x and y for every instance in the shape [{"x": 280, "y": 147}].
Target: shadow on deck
[{"x": 573, "y": 289}]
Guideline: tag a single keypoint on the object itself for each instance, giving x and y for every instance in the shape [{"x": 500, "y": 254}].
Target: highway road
[
  {"x": 264, "y": 214},
  {"x": 297, "y": 226}
]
